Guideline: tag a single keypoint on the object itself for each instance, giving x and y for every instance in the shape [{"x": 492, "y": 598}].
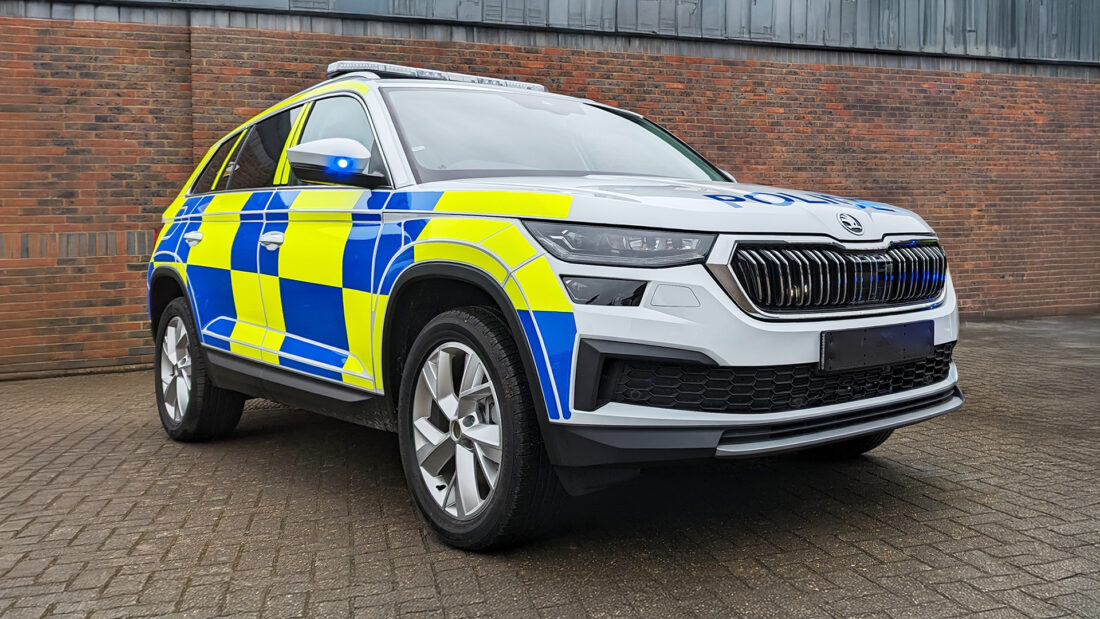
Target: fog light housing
[{"x": 604, "y": 291}]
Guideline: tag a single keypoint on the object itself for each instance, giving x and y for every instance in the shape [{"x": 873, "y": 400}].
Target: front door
[{"x": 317, "y": 248}]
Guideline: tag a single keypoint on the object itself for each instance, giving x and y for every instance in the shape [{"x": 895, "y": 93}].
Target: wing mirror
[{"x": 340, "y": 161}]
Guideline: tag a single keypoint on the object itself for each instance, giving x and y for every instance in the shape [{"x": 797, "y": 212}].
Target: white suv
[{"x": 536, "y": 292}]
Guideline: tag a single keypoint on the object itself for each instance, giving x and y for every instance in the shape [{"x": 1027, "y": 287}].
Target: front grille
[
  {"x": 768, "y": 389},
  {"x": 793, "y": 278}
]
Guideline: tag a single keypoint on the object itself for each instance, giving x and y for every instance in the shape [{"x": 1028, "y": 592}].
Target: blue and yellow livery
[{"x": 536, "y": 292}]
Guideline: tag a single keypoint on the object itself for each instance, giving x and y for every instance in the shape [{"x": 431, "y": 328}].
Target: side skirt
[{"x": 261, "y": 380}]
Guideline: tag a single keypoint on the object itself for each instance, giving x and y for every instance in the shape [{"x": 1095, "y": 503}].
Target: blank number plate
[{"x": 861, "y": 348}]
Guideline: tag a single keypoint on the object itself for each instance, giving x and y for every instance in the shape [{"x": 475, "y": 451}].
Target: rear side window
[
  {"x": 209, "y": 175},
  {"x": 258, "y": 156}
]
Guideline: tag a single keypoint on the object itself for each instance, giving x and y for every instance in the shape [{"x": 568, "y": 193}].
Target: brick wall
[
  {"x": 95, "y": 124},
  {"x": 102, "y": 122}
]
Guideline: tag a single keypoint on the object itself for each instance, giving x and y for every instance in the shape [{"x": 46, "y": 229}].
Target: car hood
[{"x": 707, "y": 206}]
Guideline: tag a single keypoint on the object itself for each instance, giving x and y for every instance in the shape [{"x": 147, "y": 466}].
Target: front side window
[
  {"x": 206, "y": 181},
  {"x": 455, "y": 133},
  {"x": 342, "y": 117},
  {"x": 258, "y": 156}
]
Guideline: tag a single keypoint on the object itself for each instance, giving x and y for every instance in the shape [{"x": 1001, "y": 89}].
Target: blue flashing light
[{"x": 341, "y": 165}]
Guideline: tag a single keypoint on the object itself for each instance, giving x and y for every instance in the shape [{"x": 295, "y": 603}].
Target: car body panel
[
  {"x": 687, "y": 205},
  {"x": 316, "y": 304}
]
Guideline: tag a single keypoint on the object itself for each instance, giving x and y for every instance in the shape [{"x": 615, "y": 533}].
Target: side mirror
[{"x": 340, "y": 161}]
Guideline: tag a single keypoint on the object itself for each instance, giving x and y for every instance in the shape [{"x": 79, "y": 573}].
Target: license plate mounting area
[{"x": 852, "y": 349}]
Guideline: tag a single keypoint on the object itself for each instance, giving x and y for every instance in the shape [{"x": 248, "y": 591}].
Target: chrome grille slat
[
  {"x": 842, "y": 275},
  {"x": 792, "y": 278},
  {"x": 780, "y": 284},
  {"x": 924, "y": 268},
  {"x": 758, "y": 282},
  {"x": 888, "y": 295},
  {"x": 803, "y": 285},
  {"x": 785, "y": 284},
  {"x": 911, "y": 275},
  {"x": 822, "y": 280}
]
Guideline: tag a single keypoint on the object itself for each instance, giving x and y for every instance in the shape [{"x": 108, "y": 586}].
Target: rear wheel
[
  {"x": 851, "y": 448},
  {"x": 191, "y": 408},
  {"x": 470, "y": 444}
]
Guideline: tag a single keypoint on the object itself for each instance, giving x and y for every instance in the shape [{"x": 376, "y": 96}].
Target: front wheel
[
  {"x": 191, "y": 407},
  {"x": 470, "y": 444}
]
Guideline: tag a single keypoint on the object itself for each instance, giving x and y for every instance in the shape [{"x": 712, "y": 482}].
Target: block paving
[{"x": 991, "y": 511}]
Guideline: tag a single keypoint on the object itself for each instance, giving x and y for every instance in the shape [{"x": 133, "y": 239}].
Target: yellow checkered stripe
[{"x": 318, "y": 303}]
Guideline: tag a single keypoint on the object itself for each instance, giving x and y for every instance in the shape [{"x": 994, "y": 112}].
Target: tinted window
[
  {"x": 205, "y": 181},
  {"x": 258, "y": 156},
  {"x": 342, "y": 117}
]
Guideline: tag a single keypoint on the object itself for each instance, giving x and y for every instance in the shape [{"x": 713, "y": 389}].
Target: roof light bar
[{"x": 386, "y": 70}]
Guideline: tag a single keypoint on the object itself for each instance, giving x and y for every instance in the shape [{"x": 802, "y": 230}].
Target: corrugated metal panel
[
  {"x": 737, "y": 18},
  {"x": 823, "y": 23},
  {"x": 1067, "y": 30},
  {"x": 1090, "y": 37},
  {"x": 931, "y": 26}
]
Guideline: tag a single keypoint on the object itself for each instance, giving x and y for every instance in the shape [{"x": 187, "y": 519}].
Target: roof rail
[{"x": 387, "y": 70}]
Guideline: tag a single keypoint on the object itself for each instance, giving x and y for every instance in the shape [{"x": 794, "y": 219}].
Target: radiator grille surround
[{"x": 784, "y": 278}]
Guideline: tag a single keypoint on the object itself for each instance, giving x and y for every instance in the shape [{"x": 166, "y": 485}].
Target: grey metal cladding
[{"x": 1051, "y": 30}]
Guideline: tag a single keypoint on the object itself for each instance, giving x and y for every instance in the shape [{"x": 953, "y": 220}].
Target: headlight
[{"x": 620, "y": 246}]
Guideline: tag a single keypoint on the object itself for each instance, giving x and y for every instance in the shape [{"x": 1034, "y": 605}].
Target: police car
[{"x": 538, "y": 293}]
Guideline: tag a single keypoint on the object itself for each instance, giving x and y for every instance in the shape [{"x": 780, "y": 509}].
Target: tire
[
  {"x": 851, "y": 448},
  {"x": 441, "y": 434},
  {"x": 208, "y": 412}
]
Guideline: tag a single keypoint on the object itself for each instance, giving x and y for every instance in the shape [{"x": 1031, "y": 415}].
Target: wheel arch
[
  {"x": 394, "y": 341},
  {"x": 165, "y": 284}
]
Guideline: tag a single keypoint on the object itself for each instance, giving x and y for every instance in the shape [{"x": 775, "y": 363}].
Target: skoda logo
[{"x": 850, "y": 223}]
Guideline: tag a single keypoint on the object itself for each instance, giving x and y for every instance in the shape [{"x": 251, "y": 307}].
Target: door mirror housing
[{"x": 340, "y": 161}]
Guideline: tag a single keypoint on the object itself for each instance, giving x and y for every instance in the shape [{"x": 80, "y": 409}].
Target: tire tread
[
  {"x": 213, "y": 412},
  {"x": 538, "y": 494}
]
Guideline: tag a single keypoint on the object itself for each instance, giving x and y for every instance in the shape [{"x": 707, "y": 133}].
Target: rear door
[
  {"x": 221, "y": 240},
  {"x": 315, "y": 269}
]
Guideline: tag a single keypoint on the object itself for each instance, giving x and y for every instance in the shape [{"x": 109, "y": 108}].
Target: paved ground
[{"x": 994, "y": 509}]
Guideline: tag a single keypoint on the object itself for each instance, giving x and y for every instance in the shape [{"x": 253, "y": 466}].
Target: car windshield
[{"x": 453, "y": 133}]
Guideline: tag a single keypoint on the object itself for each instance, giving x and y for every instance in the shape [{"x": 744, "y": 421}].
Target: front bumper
[
  {"x": 687, "y": 316},
  {"x": 749, "y": 434}
]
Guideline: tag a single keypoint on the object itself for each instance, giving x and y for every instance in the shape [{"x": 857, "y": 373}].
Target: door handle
[
  {"x": 193, "y": 237},
  {"x": 271, "y": 240}
]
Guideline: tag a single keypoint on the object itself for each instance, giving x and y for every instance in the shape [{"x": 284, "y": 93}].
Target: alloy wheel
[
  {"x": 456, "y": 430},
  {"x": 175, "y": 369}
]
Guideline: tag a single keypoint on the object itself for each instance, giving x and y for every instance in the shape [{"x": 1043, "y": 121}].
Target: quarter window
[
  {"x": 205, "y": 181},
  {"x": 258, "y": 156}
]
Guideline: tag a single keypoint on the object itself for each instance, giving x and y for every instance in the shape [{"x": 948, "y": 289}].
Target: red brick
[{"x": 1004, "y": 166}]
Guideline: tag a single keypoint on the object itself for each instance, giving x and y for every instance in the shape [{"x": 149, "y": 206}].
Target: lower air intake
[{"x": 768, "y": 389}]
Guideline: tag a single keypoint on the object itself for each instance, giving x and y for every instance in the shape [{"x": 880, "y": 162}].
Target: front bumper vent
[
  {"x": 805, "y": 278},
  {"x": 765, "y": 389}
]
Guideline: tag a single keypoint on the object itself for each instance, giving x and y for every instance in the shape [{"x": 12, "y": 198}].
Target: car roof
[
  {"x": 386, "y": 83},
  {"x": 367, "y": 78},
  {"x": 378, "y": 70}
]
